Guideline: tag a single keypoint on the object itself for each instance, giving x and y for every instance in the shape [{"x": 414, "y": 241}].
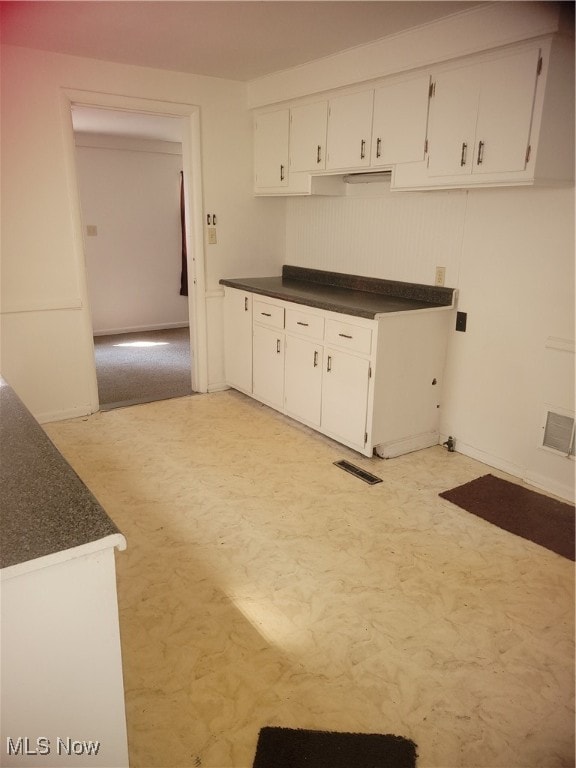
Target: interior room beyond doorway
[{"x": 129, "y": 169}]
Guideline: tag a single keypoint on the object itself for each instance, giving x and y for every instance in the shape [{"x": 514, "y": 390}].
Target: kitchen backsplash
[{"x": 395, "y": 236}]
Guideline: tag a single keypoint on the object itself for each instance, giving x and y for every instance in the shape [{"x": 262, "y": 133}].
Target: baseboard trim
[
  {"x": 486, "y": 458},
  {"x": 140, "y": 329},
  {"x": 393, "y": 448},
  {"x": 217, "y": 387},
  {"x": 521, "y": 473},
  {"x": 69, "y": 413},
  {"x": 550, "y": 486}
]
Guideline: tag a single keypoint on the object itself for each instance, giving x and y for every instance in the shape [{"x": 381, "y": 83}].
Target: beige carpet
[{"x": 142, "y": 367}]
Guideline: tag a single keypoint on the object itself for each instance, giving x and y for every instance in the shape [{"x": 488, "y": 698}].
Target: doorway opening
[{"x": 133, "y": 171}]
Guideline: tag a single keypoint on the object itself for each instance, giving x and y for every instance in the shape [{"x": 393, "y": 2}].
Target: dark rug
[
  {"x": 296, "y": 748},
  {"x": 538, "y": 518}
]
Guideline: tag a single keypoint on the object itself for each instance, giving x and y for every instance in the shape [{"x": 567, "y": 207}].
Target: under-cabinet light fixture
[{"x": 367, "y": 178}]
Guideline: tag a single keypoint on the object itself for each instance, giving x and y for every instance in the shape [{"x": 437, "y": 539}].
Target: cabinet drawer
[
  {"x": 353, "y": 337},
  {"x": 268, "y": 314},
  {"x": 305, "y": 324}
]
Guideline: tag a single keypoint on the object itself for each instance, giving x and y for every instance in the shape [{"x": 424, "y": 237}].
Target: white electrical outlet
[
  {"x": 440, "y": 275},
  {"x": 212, "y": 236}
]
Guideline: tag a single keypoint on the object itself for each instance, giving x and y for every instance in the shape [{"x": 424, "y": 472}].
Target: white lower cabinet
[
  {"x": 268, "y": 365},
  {"x": 238, "y": 339},
  {"x": 303, "y": 379},
  {"x": 373, "y": 385},
  {"x": 345, "y": 397}
]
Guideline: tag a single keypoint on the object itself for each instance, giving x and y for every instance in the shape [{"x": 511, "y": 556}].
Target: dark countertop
[
  {"x": 46, "y": 508},
  {"x": 348, "y": 294}
]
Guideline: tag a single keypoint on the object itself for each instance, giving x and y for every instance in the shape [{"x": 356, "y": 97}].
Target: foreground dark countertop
[
  {"x": 46, "y": 508},
  {"x": 348, "y": 294}
]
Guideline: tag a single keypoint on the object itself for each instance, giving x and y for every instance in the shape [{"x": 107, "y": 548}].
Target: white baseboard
[
  {"x": 521, "y": 473},
  {"x": 139, "y": 329},
  {"x": 217, "y": 387},
  {"x": 69, "y": 413},
  {"x": 486, "y": 458},
  {"x": 406, "y": 445},
  {"x": 550, "y": 486}
]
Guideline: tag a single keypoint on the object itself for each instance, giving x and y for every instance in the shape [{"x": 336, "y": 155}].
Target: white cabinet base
[
  {"x": 406, "y": 445},
  {"x": 373, "y": 385},
  {"x": 62, "y": 689}
]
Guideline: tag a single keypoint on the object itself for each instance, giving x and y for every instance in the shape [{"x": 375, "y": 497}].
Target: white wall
[
  {"x": 374, "y": 232},
  {"x": 510, "y": 252},
  {"x": 46, "y": 331},
  {"x": 517, "y": 356},
  {"x": 489, "y": 25},
  {"x": 132, "y": 196}
]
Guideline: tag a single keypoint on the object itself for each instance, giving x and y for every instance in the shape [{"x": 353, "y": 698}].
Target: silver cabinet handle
[
  {"x": 329, "y": 363},
  {"x": 463, "y": 155},
  {"x": 278, "y": 346},
  {"x": 315, "y": 358},
  {"x": 298, "y": 322},
  {"x": 266, "y": 314},
  {"x": 362, "y": 149},
  {"x": 319, "y": 154},
  {"x": 345, "y": 336},
  {"x": 245, "y": 303},
  {"x": 281, "y": 173},
  {"x": 480, "y": 157},
  {"x": 378, "y": 147}
]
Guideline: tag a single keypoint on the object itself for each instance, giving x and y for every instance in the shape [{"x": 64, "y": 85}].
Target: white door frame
[{"x": 192, "y": 167}]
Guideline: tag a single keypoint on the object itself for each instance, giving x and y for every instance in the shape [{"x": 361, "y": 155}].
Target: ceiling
[{"x": 237, "y": 40}]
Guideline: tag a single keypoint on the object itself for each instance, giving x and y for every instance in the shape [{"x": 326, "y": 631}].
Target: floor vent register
[{"x": 358, "y": 472}]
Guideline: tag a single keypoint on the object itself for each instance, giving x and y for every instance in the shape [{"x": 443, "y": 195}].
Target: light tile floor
[{"x": 264, "y": 586}]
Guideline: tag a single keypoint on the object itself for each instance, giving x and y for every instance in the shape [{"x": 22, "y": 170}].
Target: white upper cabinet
[
  {"x": 498, "y": 118},
  {"x": 271, "y": 136},
  {"x": 349, "y": 130},
  {"x": 400, "y": 122},
  {"x": 481, "y": 116},
  {"x": 308, "y": 137},
  {"x": 507, "y": 90},
  {"x": 453, "y": 122}
]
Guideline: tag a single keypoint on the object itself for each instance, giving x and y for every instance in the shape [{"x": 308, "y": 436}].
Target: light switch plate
[{"x": 212, "y": 236}]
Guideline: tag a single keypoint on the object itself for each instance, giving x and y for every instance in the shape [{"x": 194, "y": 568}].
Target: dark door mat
[
  {"x": 297, "y": 748},
  {"x": 368, "y": 477},
  {"x": 538, "y": 518}
]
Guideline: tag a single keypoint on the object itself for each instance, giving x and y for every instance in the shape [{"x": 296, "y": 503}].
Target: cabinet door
[
  {"x": 238, "y": 339},
  {"x": 453, "y": 113},
  {"x": 271, "y": 133},
  {"x": 349, "y": 130},
  {"x": 507, "y": 91},
  {"x": 308, "y": 137},
  {"x": 303, "y": 379},
  {"x": 268, "y": 365},
  {"x": 400, "y": 122},
  {"x": 345, "y": 396}
]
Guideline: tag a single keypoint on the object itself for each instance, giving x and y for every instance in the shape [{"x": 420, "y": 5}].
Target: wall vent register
[{"x": 559, "y": 433}]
